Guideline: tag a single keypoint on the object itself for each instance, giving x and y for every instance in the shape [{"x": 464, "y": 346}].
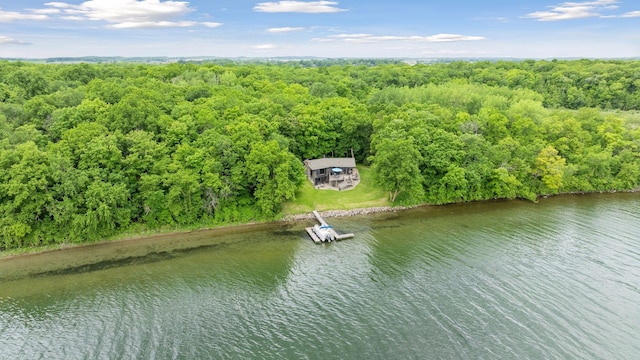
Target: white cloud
[
  {"x": 46, "y": 11},
  {"x": 452, "y": 37},
  {"x": 120, "y": 11},
  {"x": 350, "y": 36},
  {"x": 264, "y": 47},
  {"x": 368, "y": 38},
  {"x": 313, "y": 7},
  {"x": 59, "y": 5},
  {"x": 152, "y": 24},
  {"x": 8, "y": 40},
  {"x": 8, "y": 16},
  {"x": 211, "y": 24},
  {"x": 285, "y": 29},
  {"x": 631, "y": 14},
  {"x": 72, "y": 18},
  {"x": 574, "y": 10},
  {"x": 127, "y": 14},
  {"x": 161, "y": 24}
]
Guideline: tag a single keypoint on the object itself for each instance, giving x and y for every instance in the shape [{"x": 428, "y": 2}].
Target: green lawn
[{"x": 366, "y": 194}]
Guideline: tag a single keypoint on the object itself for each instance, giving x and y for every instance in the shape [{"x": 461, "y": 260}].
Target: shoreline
[
  {"x": 348, "y": 213},
  {"x": 291, "y": 218},
  {"x": 216, "y": 230},
  {"x": 66, "y": 257}
]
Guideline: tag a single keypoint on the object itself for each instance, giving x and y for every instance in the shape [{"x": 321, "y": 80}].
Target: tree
[
  {"x": 30, "y": 79},
  {"x": 442, "y": 151},
  {"x": 504, "y": 185},
  {"x": 550, "y": 167},
  {"x": 23, "y": 194},
  {"x": 395, "y": 167},
  {"x": 452, "y": 187},
  {"x": 105, "y": 210},
  {"x": 135, "y": 111},
  {"x": 274, "y": 173}
]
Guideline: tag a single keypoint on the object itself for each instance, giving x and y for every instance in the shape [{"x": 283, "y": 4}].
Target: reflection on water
[{"x": 553, "y": 280}]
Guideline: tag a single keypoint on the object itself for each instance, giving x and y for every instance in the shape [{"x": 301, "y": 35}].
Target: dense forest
[{"x": 90, "y": 150}]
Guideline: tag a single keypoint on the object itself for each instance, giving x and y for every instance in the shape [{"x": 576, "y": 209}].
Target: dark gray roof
[{"x": 325, "y": 163}]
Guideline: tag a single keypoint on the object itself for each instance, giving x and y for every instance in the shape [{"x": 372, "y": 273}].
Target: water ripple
[{"x": 553, "y": 280}]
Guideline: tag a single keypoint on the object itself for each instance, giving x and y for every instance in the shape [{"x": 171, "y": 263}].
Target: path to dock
[{"x": 320, "y": 219}]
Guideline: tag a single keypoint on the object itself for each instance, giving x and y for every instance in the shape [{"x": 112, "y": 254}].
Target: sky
[{"x": 539, "y": 29}]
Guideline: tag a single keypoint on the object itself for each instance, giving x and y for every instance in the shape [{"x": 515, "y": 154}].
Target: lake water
[{"x": 559, "y": 279}]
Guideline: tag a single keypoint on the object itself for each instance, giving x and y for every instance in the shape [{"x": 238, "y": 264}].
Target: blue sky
[{"x": 341, "y": 28}]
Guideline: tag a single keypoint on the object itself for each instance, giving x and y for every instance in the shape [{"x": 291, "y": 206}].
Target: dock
[{"x": 324, "y": 232}]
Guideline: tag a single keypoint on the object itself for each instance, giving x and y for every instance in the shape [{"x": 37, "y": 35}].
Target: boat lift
[{"x": 324, "y": 232}]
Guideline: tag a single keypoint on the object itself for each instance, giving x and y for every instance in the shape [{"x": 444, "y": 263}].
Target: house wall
[{"x": 318, "y": 177}]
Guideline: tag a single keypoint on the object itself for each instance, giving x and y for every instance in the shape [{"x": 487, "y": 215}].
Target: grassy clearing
[
  {"x": 633, "y": 118},
  {"x": 366, "y": 194}
]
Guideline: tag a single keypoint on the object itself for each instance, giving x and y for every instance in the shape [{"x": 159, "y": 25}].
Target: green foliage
[
  {"x": 395, "y": 166},
  {"x": 86, "y": 150},
  {"x": 550, "y": 167},
  {"x": 505, "y": 144},
  {"x": 274, "y": 174}
]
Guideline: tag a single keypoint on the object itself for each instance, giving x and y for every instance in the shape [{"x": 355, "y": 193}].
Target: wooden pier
[{"x": 324, "y": 232}]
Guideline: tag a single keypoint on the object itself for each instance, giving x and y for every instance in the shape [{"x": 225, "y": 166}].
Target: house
[{"x": 332, "y": 171}]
